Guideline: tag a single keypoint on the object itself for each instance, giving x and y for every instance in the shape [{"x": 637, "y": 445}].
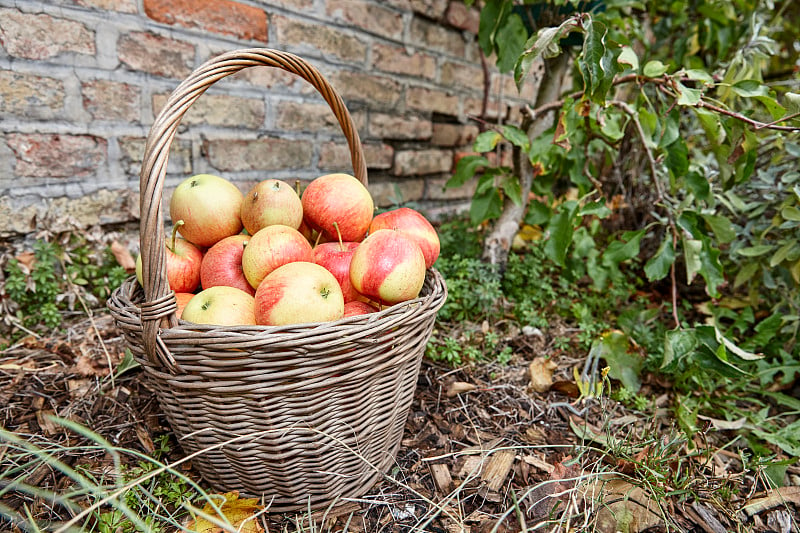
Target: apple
[
  {"x": 298, "y": 293},
  {"x": 209, "y": 206},
  {"x": 357, "y": 308},
  {"x": 221, "y": 306},
  {"x": 388, "y": 267},
  {"x": 271, "y": 202},
  {"x": 183, "y": 264},
  {"x": 272, "y": 247},
  {"x": 335, "y": 257},
  {"x": 181, "y": 299},
  {"x": 339, "y": 198},
  {"x": 222, "y": 264},
  {"x": 414, "y": 225}
]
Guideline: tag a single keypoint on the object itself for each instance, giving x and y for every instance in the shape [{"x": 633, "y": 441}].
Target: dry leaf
[
  {"x": 240, "y": 513},
  {"x": 123, "y": 257},
  {"x": 26, "y": 259},
  {"x": 457, "y": 387},
  {"x": 541, "y": 374}
]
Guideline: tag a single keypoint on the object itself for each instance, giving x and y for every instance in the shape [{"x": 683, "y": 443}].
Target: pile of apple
[{"x": 300, "y": 259}]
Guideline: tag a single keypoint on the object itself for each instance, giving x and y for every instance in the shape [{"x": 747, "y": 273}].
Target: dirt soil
[{"x": 481, "y": 452}]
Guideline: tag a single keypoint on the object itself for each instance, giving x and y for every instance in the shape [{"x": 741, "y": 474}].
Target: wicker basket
[{"x": 301, "y": 415}]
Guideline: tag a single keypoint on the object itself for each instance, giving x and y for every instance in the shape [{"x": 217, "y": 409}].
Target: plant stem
[
  {"x": 339, "y": 234},
  {"x": 178, "y": 224}
]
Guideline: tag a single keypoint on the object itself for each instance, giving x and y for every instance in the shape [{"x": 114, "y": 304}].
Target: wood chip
[
  {"x": 496, "y": 470},
  {"x": 777, "y": 497},
  {"x": 536, "y": 462},
  {"x": 45, "y": 423},
  {"x": 471, "y": 467},
  {"x": 442, "y": 478}
]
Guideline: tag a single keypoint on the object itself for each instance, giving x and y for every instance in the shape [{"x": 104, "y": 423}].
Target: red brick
[
  {"x": 111, "y": 100},
  {"x": 123, "y": 6},
  {"x": 376, "y": 91},
  {"x": 427, "y": 34},
  {"x": 494, "y": 109},
  {"x": 420, "y": 162},
  {"x": 132, "y": 153},
  {"x": 157, "y": 55},
  {"x": 336, "y": 156},
  {"x": 319, "y": 38},
  {"x": 386, "y": 194},
  {"x": 258, "y": 154},
  {"x": 392, "y": 126},
  {"x": 453, "y": 134},
  {"x": 369, "y": 16},
  {"x": 462, "y": 75},
  {"x": 433, "y": 9},
  {"x": 305, "y": 116},
  {"x": 424, "y": 99},
  {"x": 32, "y": 36},
  {"x": 435, "y": 190},
  {"x": 42, "y": 155},
  {"x": 462, "y": 17},
  {"x": 219, "y": 110},
  {"x": 397, "y": 60},
  {"x": 29, "y": 95},
  {"x": 218, "y": 16}
]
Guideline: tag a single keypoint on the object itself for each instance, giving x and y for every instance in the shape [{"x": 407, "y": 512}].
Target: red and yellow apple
[
  {"x": 181, "y": 299},
  {"x": 388, "y": 267},
  {"x": 271, "y": 247},
  {"x": 336, "y": 257},
  {"x": 414, "y": 225},
  {"x": 271, "y": 202},
  {"x": 356, "y": 308},
  {"x": 209, "y": 206},
  {"x": 338, "y": 198},
  {"x": 221, "y": 306},
  {"x": 298, "y": 293},
  {"x": 222, "y": 264},
  {"x": 183, "y": 264}
]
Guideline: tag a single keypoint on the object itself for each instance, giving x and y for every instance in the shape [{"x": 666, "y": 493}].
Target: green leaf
[
  {"x": 510, "y": 40},
  {"x": 677, "y": 158},
  {"x": 538, "y": 213},
  {"x": 699, "y": 185},
  {"x": 544, "y": 44},
  {"x": 598, "y": 208},
  {"x": 658, "y": 266},
  {"x": 712, "y": 125},
  {"x": 745, "y": 274},
  {"x": 731, "y": 347},
  {"x": 619, "y": 251},
  {"x": 678, "y": 344},
  {"x": 687, "y": 96},
  {"x": 749, "y": 89},
  {"x": 792, "y": 102},
  {"x": 755, "y": 251},
  {"x": 561, "y": 229},
  {"x": 654, "y": 69},
  {"x": 517, "y": 137},
  {"x": 692, "y": 248},
  {"x": 721, "y": 226},
  {"x": 782, "y": 253},
  {"x": 511, "y": 187},
  {"x": 590, "y": 58},
  {"x": 491, "y": 17},
  {"x": 628, "y": 57},
  {"x": 466, "y": 168},
  {"x": 486, "y": 141},
  {"x": 624, "y": 363},
  {"x": 487, "y": 204},
  {"x": 790, "y": 212},
  {"x": 699, "y": 75}
]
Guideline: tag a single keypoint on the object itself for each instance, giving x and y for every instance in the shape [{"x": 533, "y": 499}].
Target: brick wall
[{"x": 82, "y": 80}]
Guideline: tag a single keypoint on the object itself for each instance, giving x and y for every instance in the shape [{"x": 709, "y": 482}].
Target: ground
[{"x": 481, "y": 451}]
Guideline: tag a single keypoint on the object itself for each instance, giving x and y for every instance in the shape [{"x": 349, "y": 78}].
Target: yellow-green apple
[
  {"x": 272, "y": 247},
  {"x": 388, "y": 267},
  {"x": 222, "y": 264},
  {"x": 271, "y": 202},
  {"x": 183, "y": 264},
  {"x": 357, "y": 308},
  {"x": 221, "y": 306},
  {"x": 209, "y": 206},
  {"x": 414, "y": 225},
  {"x": 181, "y": 299},
  {"x": 338, "y": 198},
  {"x": 298, "y": 293}
]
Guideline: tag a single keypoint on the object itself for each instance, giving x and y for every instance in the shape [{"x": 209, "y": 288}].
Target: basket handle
[{"x": 158, "y": 309}]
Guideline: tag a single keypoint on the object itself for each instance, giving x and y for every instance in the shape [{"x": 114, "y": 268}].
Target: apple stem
[
  {"x": 297, "y": 186},
  {"x": 319, "y": 236},
  {"x": 339, "y": 233},
  {"x": 178, "y": 224}
]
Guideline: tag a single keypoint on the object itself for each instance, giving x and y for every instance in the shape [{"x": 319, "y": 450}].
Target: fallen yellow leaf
[{"x": 240, "y": 513}]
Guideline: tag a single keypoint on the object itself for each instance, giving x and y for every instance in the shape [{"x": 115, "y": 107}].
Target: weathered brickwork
[{"x": 82, "y": 81}]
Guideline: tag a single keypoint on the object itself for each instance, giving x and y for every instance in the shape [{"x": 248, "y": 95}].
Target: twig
[
  {"x": 756, "y": 123},
  {"x": 782, "y": 119},
  {"x": 674, "y": 284}
]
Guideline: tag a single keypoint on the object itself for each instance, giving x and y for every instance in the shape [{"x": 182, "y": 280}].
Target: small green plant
[{"x": 35, "y": 289}]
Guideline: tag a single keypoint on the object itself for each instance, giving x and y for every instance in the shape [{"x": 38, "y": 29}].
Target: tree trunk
[{"x": 498, "y": 243}]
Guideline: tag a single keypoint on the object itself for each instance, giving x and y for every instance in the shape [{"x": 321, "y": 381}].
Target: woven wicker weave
[{"x": 300, "y": 415}]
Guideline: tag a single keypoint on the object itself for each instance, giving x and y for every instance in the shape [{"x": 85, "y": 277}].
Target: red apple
[
  {"x": 335, "y": 257},
  {"x": 357, "y": 308},
  {"x": 182, "y": 298},
  {"x": 209, "y": 207},
  {"x": 388, "y": 267},
  {"x": 183, "y": 264},
  {"x": 271, "y": 202},
  {"x": 222, "y": 264},
  {"x": 270, "y": 248},
  {"x": 298, "y": 293},
  {"x": 414, "y": 225},
  {"x": 221, "y": 306},
  {"x": 339, "y": 198}
]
